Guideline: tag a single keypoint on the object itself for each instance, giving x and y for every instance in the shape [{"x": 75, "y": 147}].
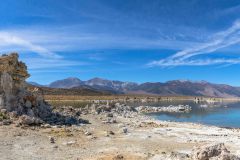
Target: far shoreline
[{"x": 126, "y": 97}]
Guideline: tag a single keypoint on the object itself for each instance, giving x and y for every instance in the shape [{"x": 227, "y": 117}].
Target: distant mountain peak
[
  {"x": 187, "y": 81},
  {"x": 69, "y": 82},
  {"x": 98, "y": 78},
  {"x": 169, "y": 88},
  {"x": 35, "y": 84},
  {"x": 73, "y": 78}
]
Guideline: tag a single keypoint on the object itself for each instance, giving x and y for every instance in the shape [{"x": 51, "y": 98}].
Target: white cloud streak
[
  {"x": 9, "y": 40},
  {"x": 72, "y": 38},
  {"x": 197, "y": 62},
  {"x": 223, "y": 39}
]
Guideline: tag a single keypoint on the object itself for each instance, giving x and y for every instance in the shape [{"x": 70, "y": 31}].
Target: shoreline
[{"x": 190, "y": 123}]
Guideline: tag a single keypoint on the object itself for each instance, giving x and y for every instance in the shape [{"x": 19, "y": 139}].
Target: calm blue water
[{"x": 218, "y": 114}]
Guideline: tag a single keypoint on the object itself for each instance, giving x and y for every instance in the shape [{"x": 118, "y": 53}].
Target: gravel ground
[{"x": 143, "y": 139}]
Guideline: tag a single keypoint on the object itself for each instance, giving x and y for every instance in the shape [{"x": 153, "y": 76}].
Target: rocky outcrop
[
  {"x": 13, "y": 91},
  {"x": 25, "y": 105},
  {"x": 214, "y": 152},
  {"x": 14, "y": 95}
]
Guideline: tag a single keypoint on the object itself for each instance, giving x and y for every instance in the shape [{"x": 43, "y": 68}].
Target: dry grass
[
  {"x": 72, "y": 103},
  {"x": 127, "y": 97},
  {"x": 113, "y": 97}
]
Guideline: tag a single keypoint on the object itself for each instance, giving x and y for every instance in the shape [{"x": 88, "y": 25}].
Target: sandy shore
[{"x": 145, "y": 138}]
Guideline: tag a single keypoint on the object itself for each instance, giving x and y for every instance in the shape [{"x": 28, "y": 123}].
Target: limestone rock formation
[{"x": 14, "y": 95}]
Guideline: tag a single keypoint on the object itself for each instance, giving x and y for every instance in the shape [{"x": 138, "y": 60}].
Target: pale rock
[
  {"x": 69, "y": 143},
  {"x": 4, "y": 111},
  {"x": 28, "y": 104},
  {"x": 27, "y": 120},
  {"x": 13, "y": 114},
  {"x": 87, "y": 133},
  {"x": 214, "y": 152},
  {"x": 6, "y": 122}
]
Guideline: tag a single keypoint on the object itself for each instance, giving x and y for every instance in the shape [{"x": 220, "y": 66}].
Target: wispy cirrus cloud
[
  {"x": 46, "y": 59},
  {"x": 220, "y": 40},
  {"x": 82, "y": 37},
  {"x": 196, "y": 62},
  {"x": 9, "y": 40}
]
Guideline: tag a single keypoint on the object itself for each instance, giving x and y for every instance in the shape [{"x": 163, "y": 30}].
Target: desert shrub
[{"x": 3, "y": 116}]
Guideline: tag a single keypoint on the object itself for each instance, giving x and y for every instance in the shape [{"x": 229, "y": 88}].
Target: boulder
[
  {"x": 27, "y": 120},
  {"x": 6, "y": 122},
  {"x": 213, "y": 151}
]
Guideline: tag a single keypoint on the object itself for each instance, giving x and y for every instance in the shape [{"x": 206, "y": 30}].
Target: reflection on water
[{"x": 223, "y": 114}]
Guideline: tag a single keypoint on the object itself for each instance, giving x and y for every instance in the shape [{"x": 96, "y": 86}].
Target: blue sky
[{"x": 137, "y": 40}]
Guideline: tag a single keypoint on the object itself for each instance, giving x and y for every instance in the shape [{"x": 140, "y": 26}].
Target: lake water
[{"x": 224, "y": 114}]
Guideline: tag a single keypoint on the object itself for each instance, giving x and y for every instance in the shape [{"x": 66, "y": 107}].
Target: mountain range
[{"x": 169, "y": 88}]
